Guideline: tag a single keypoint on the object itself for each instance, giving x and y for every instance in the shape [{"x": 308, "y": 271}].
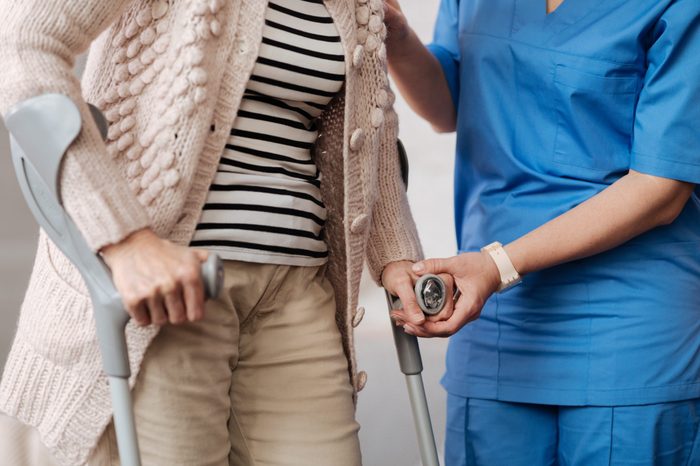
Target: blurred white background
[{"x": 387, "y": 434}]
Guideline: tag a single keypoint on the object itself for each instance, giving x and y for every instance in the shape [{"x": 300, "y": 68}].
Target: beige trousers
[{"x": 262, "y": 380}]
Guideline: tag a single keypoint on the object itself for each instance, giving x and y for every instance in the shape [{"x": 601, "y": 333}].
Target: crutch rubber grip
[
  {"x": 407, "y": 348},
  {"x": 212, "y": 276}
]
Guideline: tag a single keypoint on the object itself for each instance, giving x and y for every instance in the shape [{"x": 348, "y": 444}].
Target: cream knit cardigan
[{"x": 169, "y": 76}]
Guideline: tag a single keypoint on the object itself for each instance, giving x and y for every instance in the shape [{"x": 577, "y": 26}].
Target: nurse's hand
[
  {"x": 396, "y": 24},
  {"x": 417, "y": 73},
  {"x": 476, "y": 276}
]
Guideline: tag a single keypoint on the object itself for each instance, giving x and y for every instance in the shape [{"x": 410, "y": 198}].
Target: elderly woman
[
  {"x": 578, "y": 148},
  {"x": 262, "y": 131}
]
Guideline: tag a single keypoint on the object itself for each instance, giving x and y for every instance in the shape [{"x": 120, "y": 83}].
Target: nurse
[{"x": 578, "y": 152}]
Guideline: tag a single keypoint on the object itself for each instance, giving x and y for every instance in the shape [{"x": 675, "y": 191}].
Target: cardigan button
[
  {"x": 358, "y": 56},
  {"x": 362, "y": 34},
  {"x": 357, "y": 316},
  {"x": 382, "y": 98},
  {"x": 372, "y": 43},
  {"x": 375, "y": 23},
  {"x": 377, "y": 117},
  {"x": 215, "y": 26},
  {"x": 360, "y": 224},
  {"x": 357, "y": 139},
  {"x": 361, "y": 380}
]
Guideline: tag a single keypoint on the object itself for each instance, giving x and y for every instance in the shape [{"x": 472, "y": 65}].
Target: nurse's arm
[
  {"x": 417, "y": 73},
  {"x": 633, "y": 205}
]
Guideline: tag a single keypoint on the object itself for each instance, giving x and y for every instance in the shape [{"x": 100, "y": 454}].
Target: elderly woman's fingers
[
  {"x": 411, "y": 311},
  {"x": 157, "y": 310},
  {"x": 139, "y": 312},
  {"x": 174, "y": 305}
]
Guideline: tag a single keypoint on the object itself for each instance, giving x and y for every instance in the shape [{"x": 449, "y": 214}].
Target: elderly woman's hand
[
  {"x": 476, "y": 276},
  {"x": 159, "y": 281},
  {"x": 398, "y": 279}
]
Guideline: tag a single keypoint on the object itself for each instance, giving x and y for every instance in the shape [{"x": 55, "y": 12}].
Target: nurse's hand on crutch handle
[
  {"x": 477, "y": 277},
  {"x": 434, "y": 298}
]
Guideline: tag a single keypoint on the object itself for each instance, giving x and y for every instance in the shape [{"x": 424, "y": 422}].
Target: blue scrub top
[{"x": 552, "y": 109}]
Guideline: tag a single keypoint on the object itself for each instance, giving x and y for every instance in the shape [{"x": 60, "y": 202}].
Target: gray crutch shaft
[
  {"x": 421, "y": 420},
  {"x": 411, "y": 365},
  {"x": 124, "y": 423}
]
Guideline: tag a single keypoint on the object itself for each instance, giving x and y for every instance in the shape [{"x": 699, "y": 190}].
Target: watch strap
[{"x": 509, "y": 276}]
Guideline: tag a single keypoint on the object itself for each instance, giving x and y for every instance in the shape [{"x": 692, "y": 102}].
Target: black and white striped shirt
[{"x": 265, "y": 204}]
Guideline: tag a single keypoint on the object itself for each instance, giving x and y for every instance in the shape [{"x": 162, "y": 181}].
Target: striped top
[{"x": 265, "y": 204}]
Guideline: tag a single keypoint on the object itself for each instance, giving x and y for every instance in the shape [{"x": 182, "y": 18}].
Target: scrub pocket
[{"x": 595, "y": 117}]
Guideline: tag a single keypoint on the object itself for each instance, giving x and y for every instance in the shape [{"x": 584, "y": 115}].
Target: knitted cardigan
[{"x": 169, "y": 76}]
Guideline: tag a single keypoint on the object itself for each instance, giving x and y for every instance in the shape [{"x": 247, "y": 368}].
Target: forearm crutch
[
  {"x": 41, "y": 130},
  {"x": 410, "y": 360}
]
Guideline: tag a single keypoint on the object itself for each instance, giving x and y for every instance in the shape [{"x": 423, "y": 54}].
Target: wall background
[{"x": 387, "y": 434}]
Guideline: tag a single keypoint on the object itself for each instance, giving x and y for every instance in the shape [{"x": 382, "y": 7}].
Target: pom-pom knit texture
[{"x": 169, "y": 76}]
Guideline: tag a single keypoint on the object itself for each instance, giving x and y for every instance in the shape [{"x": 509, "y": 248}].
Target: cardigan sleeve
[
  {"x": 39, "y": 42},
  {"x": 393, "y": 233}
]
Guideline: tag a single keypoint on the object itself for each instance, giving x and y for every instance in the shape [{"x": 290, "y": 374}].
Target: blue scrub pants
[{"x": 496, "y": 433}]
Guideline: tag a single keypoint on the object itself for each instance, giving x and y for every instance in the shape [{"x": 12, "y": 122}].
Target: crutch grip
[
  {"x": 407, "y": 348},
  {"x": 212, "y": 276}
]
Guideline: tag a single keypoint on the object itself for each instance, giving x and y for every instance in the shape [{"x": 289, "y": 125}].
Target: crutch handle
[
  {"x": 407, "y": 349},
  {"x": 212, "y": 276},
  {"x": 431, "y": 294}
]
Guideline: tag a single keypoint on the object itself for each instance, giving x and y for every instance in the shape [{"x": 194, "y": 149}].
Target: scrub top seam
[
  {"x": 581, "y": 166},
  {"x": 603, "y": 390},
  {"x": 568, "y": 396},
  {"x": 590, "y": 350},
  {"x": 559, "y": 52},
  {"x": 661, "y": 157},
  {"x": 550, "y": 19},
  {"x": 612, "y": 435}
]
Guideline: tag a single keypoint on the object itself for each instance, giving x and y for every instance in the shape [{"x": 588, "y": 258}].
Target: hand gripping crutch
[
  {"x": 41, "y": 129},
  {"x": 410, "y": 360}
]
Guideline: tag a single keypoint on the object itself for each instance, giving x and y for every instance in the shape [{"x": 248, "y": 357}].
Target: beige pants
[{"x": 262, "y": 380}]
